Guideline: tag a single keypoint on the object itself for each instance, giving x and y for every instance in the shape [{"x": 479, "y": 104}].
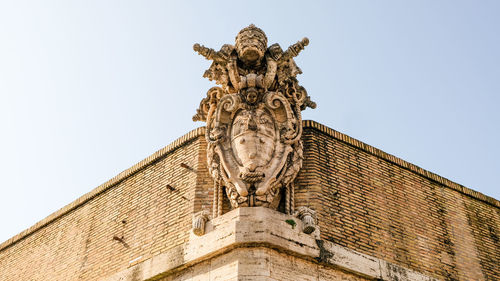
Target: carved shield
[{"x": 252, "y": 148}]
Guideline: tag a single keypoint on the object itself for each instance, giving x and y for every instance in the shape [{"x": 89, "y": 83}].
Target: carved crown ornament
[{"x": 253, "y": 121}]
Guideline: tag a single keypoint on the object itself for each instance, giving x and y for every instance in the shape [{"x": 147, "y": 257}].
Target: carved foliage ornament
[{"x": 253, "y": 120}]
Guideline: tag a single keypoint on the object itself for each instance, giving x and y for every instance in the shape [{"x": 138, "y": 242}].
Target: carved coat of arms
[{"x": 253, "y": 121}]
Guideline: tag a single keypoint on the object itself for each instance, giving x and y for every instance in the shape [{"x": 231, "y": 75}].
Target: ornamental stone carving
[
  {"x": 199, "y": 220},
  {"x": 308, "y": 218},
  {"x": 253, "y": 121}
]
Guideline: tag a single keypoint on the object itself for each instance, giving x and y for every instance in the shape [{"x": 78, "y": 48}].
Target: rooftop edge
[{"x": 200, "y": 131}]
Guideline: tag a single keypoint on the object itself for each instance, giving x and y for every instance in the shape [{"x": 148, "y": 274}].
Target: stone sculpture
[{"x": 254, "y": 122}]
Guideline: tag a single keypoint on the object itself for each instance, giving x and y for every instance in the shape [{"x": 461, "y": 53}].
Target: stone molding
[{"x": 251, "y": 227}]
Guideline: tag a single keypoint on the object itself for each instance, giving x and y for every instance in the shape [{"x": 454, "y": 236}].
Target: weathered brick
[{"x": 365, "y": 199}]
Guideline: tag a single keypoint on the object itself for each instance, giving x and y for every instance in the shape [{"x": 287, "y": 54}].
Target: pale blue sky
[{"x": 89, "y": 88}]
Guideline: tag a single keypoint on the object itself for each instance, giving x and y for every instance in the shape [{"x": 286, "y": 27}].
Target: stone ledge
[{"x": 262, "y": 227}]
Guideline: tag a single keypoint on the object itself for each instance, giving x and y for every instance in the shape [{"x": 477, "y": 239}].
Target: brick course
[
  {"x": 133, "y": 219},
  {"x": 366, "y": 200},
  {"x": 382, "y": 206}
]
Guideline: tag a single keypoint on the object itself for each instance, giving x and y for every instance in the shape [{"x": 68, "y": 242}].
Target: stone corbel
[
  {"x": 199, "y": 220},
  {"x": 308, "y": 218}
]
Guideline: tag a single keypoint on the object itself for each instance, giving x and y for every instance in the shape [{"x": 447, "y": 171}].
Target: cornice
[
  {"x": 107, "y": 185},
  {"x": 400, "y": 162}
]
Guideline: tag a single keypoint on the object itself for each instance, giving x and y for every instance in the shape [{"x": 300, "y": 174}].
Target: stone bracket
[
  {"x": 199, "y": 221},
  {"x": 308, "y": 217}
]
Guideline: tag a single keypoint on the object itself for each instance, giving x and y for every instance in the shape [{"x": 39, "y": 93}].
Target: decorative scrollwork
[{"x": 254, "y": 121}]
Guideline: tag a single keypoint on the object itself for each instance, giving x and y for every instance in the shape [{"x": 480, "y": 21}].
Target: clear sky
[{"x": 89, "y": 88}]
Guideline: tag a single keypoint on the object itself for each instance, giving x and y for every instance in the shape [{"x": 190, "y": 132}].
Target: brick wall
[
  {"x": 382, "y": 206},
  {"x": 128, "y": 220},
  {"x": 366, "y": 200}
]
